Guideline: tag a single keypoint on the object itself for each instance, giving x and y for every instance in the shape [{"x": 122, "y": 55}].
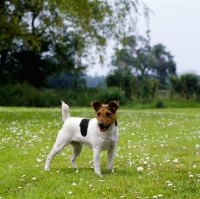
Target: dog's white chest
[
  {"x": 106, "y": 142},
  {"x": 105, "y": 145}
]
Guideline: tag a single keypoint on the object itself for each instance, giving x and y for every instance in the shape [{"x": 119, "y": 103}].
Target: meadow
[{"x": 158, "y": 156}]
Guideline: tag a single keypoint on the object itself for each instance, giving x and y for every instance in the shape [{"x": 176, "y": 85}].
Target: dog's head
[{"x": 105, "y": 113}]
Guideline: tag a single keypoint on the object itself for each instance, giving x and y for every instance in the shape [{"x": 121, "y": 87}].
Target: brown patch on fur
[{"x": 105, "y": 113}]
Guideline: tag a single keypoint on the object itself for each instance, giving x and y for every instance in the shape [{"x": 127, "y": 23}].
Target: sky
[{"x": 175, "y": 24}]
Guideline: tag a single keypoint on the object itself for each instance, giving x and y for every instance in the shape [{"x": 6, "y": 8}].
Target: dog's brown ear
[
  {"x": 96, "y": 105},
  {"x": 113, "y": 105}
]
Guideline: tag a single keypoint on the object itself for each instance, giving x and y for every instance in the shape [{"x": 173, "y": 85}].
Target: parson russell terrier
[{"x": 100, "y": 133}]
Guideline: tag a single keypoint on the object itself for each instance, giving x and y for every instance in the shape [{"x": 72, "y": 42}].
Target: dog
[{"x": 99, "y": 134}]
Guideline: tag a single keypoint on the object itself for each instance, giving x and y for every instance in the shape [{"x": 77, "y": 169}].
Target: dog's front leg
[
  {"x": 96, "y": 153},
  {"x": 111, "y": 153}
]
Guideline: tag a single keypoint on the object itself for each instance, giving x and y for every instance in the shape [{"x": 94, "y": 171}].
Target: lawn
[{"x": 158, "y": 156}]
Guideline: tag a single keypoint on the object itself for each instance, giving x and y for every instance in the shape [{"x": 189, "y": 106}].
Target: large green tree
[
  {"x": 163, "y": 64},
  {"x": 144, "y": 60},
  {"x": 149, "y": 67},
  {"x": 61, "y": 30}
]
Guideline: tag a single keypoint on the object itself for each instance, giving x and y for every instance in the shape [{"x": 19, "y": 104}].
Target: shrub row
[{"x": 26, "y": 95}]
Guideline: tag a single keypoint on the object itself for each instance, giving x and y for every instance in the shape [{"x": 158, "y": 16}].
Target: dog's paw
[
  {"x": 99, "y": 175},
  {"x": 46, "y": 168},
  {"x": 111, "y": 170},
  {"x": 98, "y": 172}
]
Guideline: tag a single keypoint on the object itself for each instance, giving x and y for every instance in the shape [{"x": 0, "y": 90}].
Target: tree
[
  {"x": 187, "y": 85},
  {"x": 148, "y": 66},
  {"x": 163, "y": 65},
  {"x": 135, "y": 55},
  {"x": 30, "y": 25},
  {"x": 68, "y": 80},
  {"x": 143, "y": 60},
  {"x": 122, "y": 79}
]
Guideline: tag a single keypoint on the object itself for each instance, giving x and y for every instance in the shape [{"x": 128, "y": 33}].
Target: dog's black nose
[{"x": 101, "y": 124}]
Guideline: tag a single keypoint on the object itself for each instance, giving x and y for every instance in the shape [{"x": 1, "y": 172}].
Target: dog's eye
[
  {"x": 108, "y": 114},
  {"x": 98, "y": 114}
]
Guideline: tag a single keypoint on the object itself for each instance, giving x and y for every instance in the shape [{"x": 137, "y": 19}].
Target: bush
[
  {"x": 186, "y": 85},
  {"x": 110, "y": 94},
  {"x": 160, "y": 104},
  {"x": 26, "y": 95}
]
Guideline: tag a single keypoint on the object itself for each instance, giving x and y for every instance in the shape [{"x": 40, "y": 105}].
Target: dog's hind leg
[
  {"x": 55, "y": 150},
  {"x": 60, "y": 143},
  {"x": 76, "y": 150}
]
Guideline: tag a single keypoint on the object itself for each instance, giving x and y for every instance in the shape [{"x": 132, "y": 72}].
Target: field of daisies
[{"x": 158, "y": 156}]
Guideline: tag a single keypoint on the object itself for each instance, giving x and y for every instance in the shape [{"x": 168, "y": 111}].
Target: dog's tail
[{"x": 65, "y": 111}]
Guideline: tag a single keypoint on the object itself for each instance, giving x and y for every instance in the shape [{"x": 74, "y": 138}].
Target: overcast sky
[{"x": 175, "y": 24}]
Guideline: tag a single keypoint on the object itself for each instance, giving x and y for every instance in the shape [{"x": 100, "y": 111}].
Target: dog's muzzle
[{"x": 102, "y": 127}]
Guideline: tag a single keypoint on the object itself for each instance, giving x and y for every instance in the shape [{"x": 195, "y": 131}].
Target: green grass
[{"x": 158, "y": 156}]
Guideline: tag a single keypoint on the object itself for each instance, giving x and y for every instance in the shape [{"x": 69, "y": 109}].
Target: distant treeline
[
  {"x": 73, "y": 80},
  {"x": 184, "y": 91},
  {"x": 26, "y": 95}
]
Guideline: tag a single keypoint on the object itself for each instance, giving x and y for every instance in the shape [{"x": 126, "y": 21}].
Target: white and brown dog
[{"x": 100, "y": 133}]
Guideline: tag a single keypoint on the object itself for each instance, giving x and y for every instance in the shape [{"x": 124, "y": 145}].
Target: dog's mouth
[{"x": 103, "y": 128}]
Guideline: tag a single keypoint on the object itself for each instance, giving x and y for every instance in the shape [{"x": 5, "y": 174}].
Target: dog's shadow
[{"x": 90, "y": 171}]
